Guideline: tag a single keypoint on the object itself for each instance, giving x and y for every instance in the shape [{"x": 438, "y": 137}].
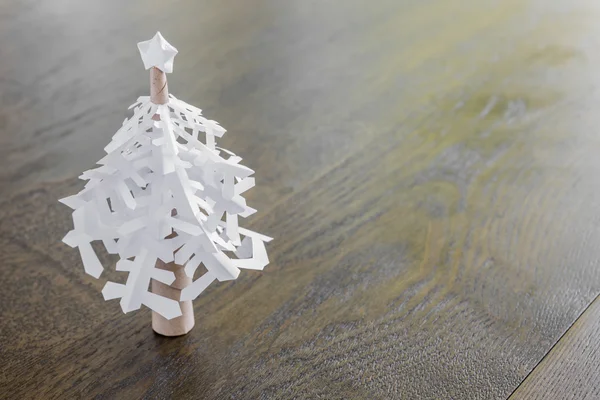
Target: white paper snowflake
[{"x": 165, "y": 191}]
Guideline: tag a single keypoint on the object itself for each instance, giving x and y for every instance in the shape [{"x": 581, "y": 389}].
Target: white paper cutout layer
[{"x": 152, "y": 168}]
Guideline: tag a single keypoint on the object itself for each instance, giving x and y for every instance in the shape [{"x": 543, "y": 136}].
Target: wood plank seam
[{"x": 537, "y": 365}]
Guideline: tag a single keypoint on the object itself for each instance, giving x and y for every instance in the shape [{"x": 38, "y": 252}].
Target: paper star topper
[{"x": 157, "y": 52}]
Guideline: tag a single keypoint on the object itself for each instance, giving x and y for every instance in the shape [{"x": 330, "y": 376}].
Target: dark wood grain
[
  {"x": 428, "y": 169},
  {"x": 571, "y": 369}
]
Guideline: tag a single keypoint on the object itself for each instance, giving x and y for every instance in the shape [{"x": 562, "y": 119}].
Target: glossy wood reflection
[{"x": 427, "y": 169}]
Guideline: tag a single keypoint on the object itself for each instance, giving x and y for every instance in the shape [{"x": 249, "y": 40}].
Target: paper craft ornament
[{"x": 166, "y": 199}]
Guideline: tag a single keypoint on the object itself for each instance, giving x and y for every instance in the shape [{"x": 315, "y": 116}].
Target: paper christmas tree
[{"x": 166, "y": 199}]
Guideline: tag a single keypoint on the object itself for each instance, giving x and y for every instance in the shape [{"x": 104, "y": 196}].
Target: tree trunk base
[{"x": 180, "y": 325}]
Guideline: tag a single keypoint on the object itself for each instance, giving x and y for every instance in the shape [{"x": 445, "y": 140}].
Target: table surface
[{"x": 429, "y": 170}]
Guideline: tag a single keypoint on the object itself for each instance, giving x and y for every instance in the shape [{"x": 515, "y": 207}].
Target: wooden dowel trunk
[
  {"x": 159, "y": 94},
  {"x": 180, "y": 325}
]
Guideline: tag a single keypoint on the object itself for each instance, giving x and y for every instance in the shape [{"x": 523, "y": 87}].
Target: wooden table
[{"x": 429, "y": 169}]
